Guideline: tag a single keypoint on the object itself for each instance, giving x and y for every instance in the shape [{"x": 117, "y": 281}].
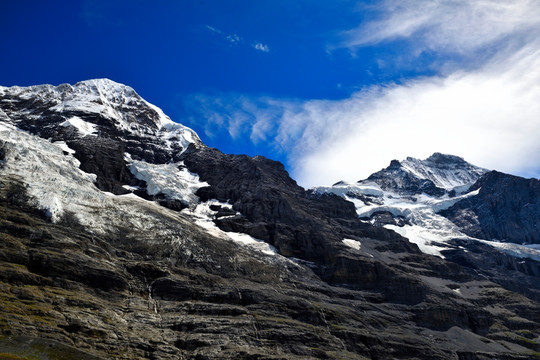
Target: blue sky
[{"x": 333, "y": 89}]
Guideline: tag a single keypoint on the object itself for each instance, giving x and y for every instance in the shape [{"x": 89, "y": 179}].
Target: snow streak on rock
[{"x": 204, "y": 216}]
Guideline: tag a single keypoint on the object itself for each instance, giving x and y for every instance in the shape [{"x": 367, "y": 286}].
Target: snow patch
[
  {"x": 428, "y": 240},
  {"x": 457, "y": 291},
  {"x": 355, "y": 244},
  {"x": 83, "y": 127},
  {"x": 64, "y": 147},
  {"x": 521, "y": 251},
  {"x": 255, "y": 244}
]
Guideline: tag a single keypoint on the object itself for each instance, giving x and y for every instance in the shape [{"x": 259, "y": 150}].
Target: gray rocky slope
[{"x": 123, "y": 236}]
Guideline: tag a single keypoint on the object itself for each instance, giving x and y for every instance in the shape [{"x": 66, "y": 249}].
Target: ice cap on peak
[
  {"x": 438, "y": 157},
  {"x": 106, "y": 104},
  {"x": 104, "y": 86}
]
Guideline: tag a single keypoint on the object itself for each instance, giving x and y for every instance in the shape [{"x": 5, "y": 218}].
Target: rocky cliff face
[
  {"x": 507, "y": 208},
  {"x": 123, "y": 236}
]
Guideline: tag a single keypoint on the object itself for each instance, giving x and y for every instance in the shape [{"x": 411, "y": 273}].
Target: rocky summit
[{"x": 123, "y": 236}]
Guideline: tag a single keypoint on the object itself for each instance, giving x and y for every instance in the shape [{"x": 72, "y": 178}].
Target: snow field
[{"x": 427, "y": 229}]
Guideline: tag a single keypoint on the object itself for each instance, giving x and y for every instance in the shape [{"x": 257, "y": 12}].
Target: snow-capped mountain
[
  {"x": 123, "y": 236},
  {"x": 89, "y": 106},
  {"x": 435, "y": 175},
  {"x": 63, "y": 170},
  {"x": 429, "y": 202}
]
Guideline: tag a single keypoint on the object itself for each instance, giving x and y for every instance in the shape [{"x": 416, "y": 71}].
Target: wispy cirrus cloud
[
  {"x": 238, "y": 116},
  {"x": 232, "y": 39},
  {"x": 261, "y": 47},
  {"x": 448, "y": 26},
  {"x": 235, "y": 39}
]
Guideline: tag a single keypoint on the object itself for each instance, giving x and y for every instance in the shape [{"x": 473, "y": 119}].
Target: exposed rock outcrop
[{"x": 506, "y": 208}]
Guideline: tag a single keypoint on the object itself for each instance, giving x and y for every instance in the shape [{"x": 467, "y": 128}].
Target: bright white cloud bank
[{"x": 489, "y": 115}]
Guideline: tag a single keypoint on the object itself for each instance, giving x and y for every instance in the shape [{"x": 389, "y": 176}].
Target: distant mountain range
[{"x": 124, "y": 236}]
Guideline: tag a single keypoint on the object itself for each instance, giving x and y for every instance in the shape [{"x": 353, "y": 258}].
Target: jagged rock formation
[
  {"x": 506, "y": 208},
  {"x": 123, "y": 236}
]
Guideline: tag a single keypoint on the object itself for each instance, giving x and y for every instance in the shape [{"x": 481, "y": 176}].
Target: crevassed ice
[
  {"x": 54, "y": 179},
  {"x": 172, "y": 180},
  {"x": 427, "y": 229},
  {"x": 58, "y": 187}
]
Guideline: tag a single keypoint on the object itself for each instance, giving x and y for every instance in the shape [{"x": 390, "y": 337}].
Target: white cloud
[
  {"x": 488, "y": 114},
  {"x": 213, "y": 29},
  {"x": 490, "y": 117},
  {"x": 261, "y": 47},
  {"x": 449, "y": 25},
  {"x": 233, "y": 39}
]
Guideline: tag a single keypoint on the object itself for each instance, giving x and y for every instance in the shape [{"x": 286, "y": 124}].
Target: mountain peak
[
  {"x": 435, "y": 175},
  {"x": 102, "y": 115},
  {"x": 437, "y": 157},
  {"x": 394, "y": 164},
  {"x": 103, "y": 86},
  {"x": 103, "y": 103}
]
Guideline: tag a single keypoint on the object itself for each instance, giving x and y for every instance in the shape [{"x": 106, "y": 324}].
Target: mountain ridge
[{"x": 125, "y": 242}]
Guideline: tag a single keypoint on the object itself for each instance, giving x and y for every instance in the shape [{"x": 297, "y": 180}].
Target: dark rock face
[
  {"x": 105, "y": 158},
  {"x": 132, "y": 298},
  {"x": 513, "y": 273},
  {"x": 506, "y": 208},
  {"x": 276, "y": 209}
]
